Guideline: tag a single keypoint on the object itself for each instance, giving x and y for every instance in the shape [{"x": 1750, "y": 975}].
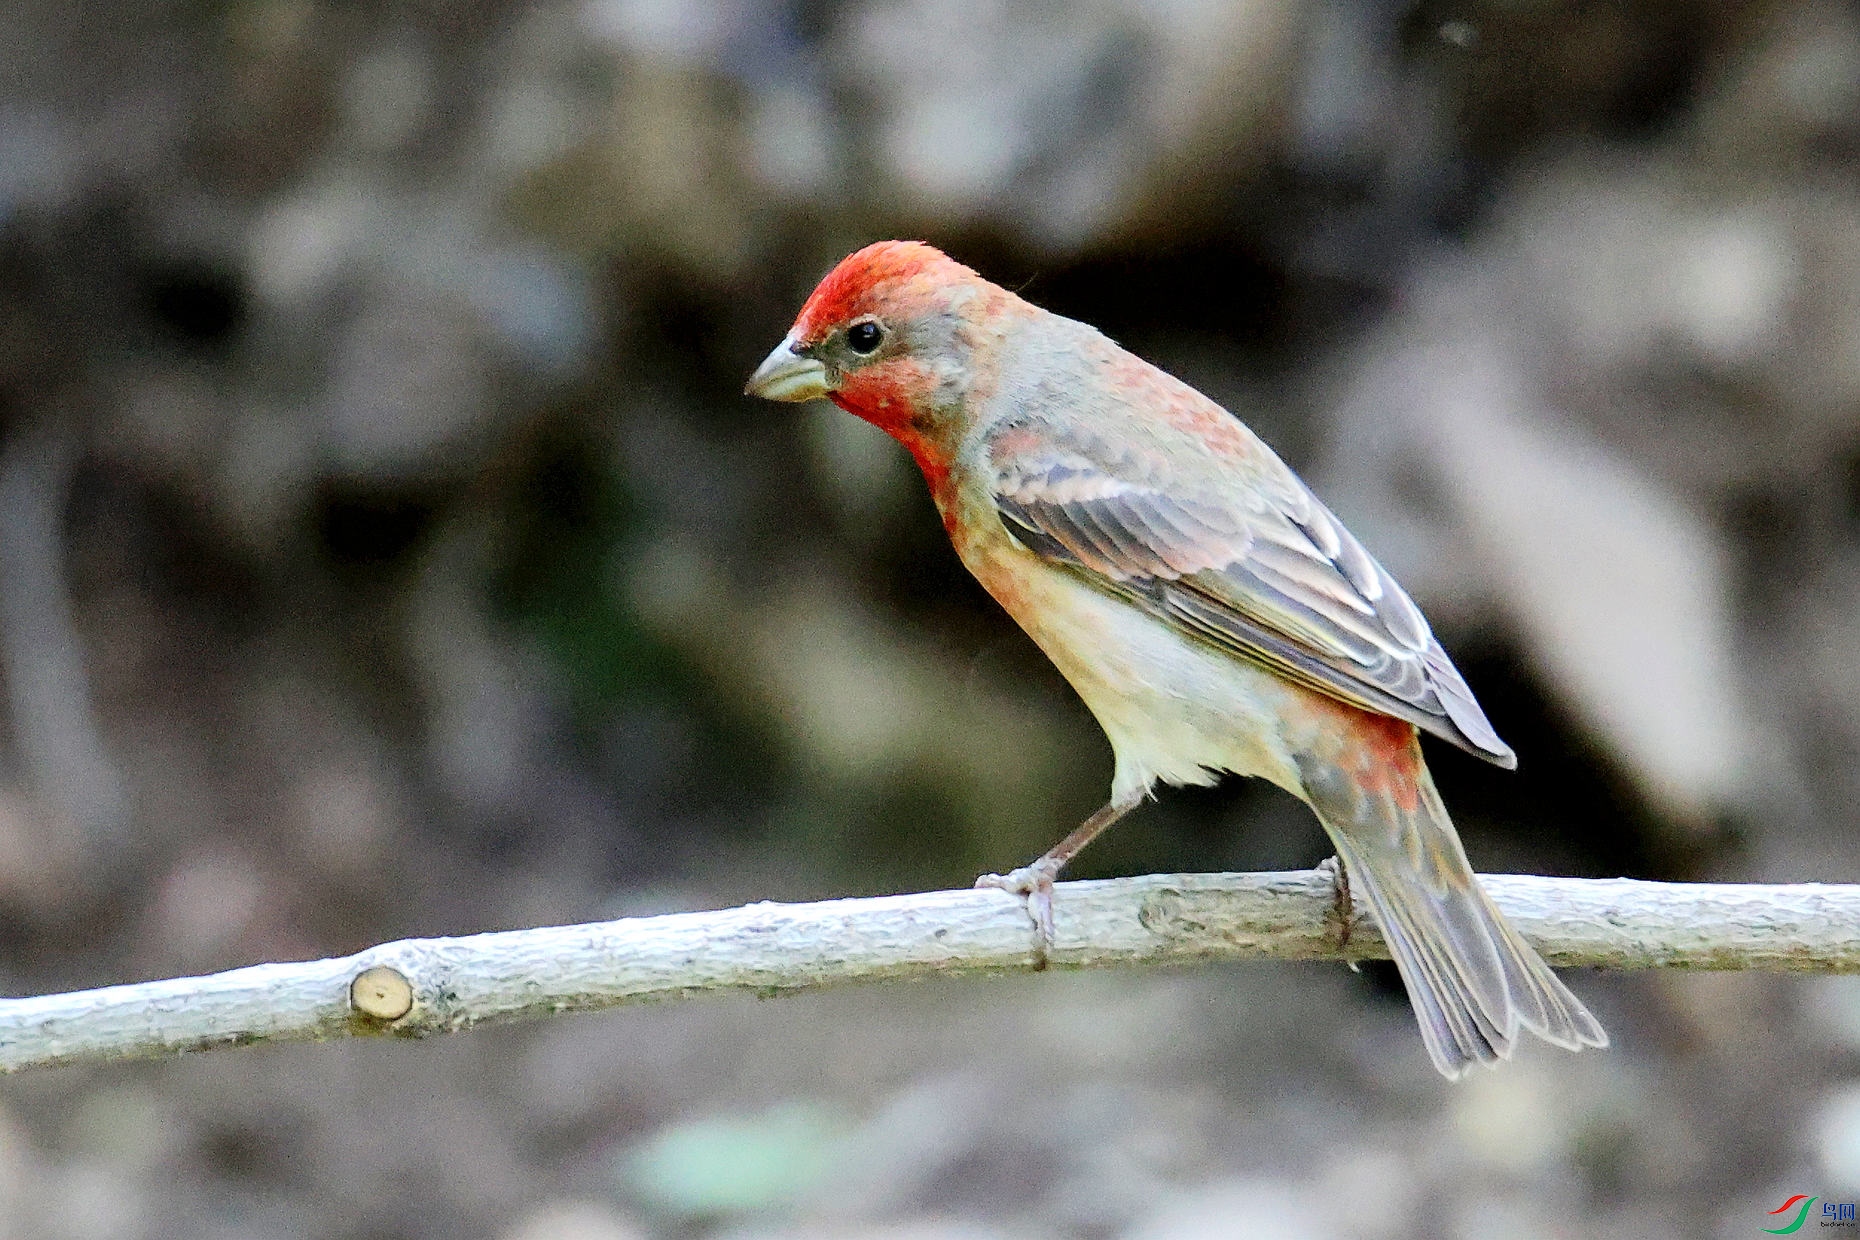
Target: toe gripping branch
[
  {"x": 1342, "y": 908},
  {"x": 1034, "y": 885}
]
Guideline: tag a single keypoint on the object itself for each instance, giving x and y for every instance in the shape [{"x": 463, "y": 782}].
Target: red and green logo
[{"x": 1801, "y": 1204}]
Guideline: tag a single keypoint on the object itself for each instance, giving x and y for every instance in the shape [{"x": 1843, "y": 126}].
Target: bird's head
[{"x": 887, "y": 335}]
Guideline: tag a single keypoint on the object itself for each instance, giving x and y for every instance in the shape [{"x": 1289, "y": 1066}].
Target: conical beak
[{"x": 788, "y": 376}]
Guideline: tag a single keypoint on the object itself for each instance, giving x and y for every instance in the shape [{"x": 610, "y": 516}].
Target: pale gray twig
[{"x": 422, "y": 986}]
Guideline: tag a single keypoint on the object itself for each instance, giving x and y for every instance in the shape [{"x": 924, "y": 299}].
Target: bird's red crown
[{"x": 894, "y": 271}]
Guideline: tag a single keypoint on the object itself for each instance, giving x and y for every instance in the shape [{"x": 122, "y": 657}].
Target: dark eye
[{"x": 864, "y": 336}]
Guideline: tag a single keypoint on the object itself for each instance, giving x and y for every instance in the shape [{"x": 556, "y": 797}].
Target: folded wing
[{"x": 1258, "y": 567}]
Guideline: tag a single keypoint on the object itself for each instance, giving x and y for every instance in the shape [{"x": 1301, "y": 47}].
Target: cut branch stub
[{"x": 381, "y": 994}]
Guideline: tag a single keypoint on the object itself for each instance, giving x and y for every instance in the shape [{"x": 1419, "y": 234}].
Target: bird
[{"x": 1212, "y": 613}]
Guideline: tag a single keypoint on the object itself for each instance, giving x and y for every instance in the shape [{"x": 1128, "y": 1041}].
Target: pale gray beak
[{"x": 786, "y": 375}]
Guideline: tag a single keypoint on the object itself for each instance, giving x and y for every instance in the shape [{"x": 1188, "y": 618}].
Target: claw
[
  {"x": 1342, "y": 907},
  {"x": 1034, "y": 884}
]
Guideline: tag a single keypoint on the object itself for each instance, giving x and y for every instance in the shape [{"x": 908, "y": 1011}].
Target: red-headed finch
[{"x": 1207, "y": 607}]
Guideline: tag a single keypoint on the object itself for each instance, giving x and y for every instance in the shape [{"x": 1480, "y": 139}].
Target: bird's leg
[
  {"x": 1341, "y": 907},
  {"x": 1035, "y": 882}
]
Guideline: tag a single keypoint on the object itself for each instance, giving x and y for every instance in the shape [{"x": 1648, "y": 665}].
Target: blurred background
[{"x": 386, "y": 549}]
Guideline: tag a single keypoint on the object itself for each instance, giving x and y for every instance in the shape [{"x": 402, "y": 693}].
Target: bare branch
[{"x": 421, "y": 986}]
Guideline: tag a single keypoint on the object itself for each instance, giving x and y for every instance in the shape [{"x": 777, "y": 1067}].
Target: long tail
[{"x": 1473, "y": 981}]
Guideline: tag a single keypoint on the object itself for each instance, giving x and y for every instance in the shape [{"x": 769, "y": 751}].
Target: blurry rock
[
  {"x": 337, "y": 803},
  {"x": 301, "y": 247},
  {"x": 1796, "y": 86},
  {"x": 203, "y": 906},
  {"x": 274, "y": 117},
  {"x": 853, "y": 692},
  {"x": 1257, "y": 1209},
  {"x": 266, "y": 465},
  {"x": 1679, "y": 311},
  {"x": 1379, "y": 1181},
  {"x": 895, "y": 1159},
  {"x": 1727, "y": 1016},
  {"x": 925, "y": 1229},
  {"x": 1834, "y": 1004},
  {"x": 39, "y": 859},
  {"x": 408, "y": 384},
  {"x": 542, "y": 309},
  {"x": 668, "y": 30},
  {"x": 128, "y": 1126},
  {"x": 1620, "y": 590},
  {"x": 67, "y": 761},
  {"x": 793, "y": 139},
  {"x": 1617, "y": 585},
  {"x": 734, "y": 1164},
  {"x": 1836, "y": 1138},
  {"x": 386, "y": 1162},
  {"x": 1510, "y": 1122},
  {"x": 1060, "y": 124},
  {"x": 88, "y": 1200},
  {"x": 576, "y": 1220},
  {"x": 345, "y": 820},
  {"x": 22, "y": 1174},
  {"x": 1630, "y": 349},
  {"x": 388, "y": 96},
  {"x": 1488, "y": 1216},
  {"x": 172, "y": 419},
  {"x": 489, "y": 716},
  {"x": 1639, "y": 1221},
  {"x": 38, "y": 158},
  {"x": 1639, "y": 265},
  {"x": 661, "y": 175},
  {"x": 541, "y": 104}
]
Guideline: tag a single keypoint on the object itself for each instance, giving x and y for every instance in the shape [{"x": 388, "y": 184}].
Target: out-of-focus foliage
[{"x": 385, "y": 548}]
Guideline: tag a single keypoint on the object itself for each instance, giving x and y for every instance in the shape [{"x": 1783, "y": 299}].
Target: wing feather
[{"x": 1277, "y": 580}]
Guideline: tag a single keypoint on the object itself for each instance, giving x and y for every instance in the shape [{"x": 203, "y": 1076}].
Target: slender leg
[{"x": 1035, "y": 882}]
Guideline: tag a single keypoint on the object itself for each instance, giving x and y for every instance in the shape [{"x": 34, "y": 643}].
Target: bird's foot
[
  {"x": 1342, "y": 907},
  {"x": 1034, "y": 884}
]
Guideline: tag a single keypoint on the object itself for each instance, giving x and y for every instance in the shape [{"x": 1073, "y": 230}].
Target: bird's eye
[{"x": 864, "y": 336}]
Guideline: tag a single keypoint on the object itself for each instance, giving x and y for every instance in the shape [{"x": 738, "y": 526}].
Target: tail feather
[{"x": 1472, "y": 979}]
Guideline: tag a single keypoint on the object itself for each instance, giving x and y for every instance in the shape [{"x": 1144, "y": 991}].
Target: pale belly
[{"x": 1174, "y": 709}]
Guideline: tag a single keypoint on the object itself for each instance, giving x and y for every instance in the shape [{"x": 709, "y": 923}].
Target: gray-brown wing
[{"x": 1277, "y": 580}]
